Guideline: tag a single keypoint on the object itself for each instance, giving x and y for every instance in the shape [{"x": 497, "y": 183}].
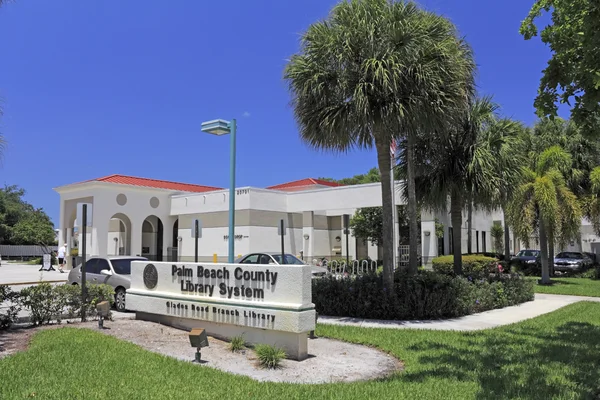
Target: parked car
[
  {"x": 113, "y": 270},
  {"x": 572, "y": 261},
  {"x": 526, "y": 259},
  {"x": 275, "y": 258}
]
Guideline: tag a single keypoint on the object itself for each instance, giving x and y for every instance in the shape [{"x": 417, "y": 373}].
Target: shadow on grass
[{"x": 519, "y": 362}]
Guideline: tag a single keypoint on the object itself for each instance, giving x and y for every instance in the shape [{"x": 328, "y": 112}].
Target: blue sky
[{"x": 96, "y": 88}]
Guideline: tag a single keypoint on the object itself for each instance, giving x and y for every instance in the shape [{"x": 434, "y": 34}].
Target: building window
[
  {"x": 476, "y": 241},
  {"x": 483, "y": 244}
]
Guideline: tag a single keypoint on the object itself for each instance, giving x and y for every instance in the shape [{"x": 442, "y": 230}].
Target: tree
[
  {"x": 370, "y": 177},
  {"x": 451, "y": 168},
  {"x": 591, "y": 202},
  {"x": 367, "y": 224},
  {"x": 20, "y": 222},
  {"x": 544, "y": 203},
  {"x": 34, "y": 228},
  {"x": 374, "y": 71},
  {"x": 584, "y": 152},
  {"x": 573, "y": 71},
  {"x": 497, "y": 234},
  {"x": 499, "y": 157}
]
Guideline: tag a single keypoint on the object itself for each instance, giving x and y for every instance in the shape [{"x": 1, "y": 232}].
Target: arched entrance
[
  {"x": 152, "y": 238},
  {"x": 119, "y": 235}
]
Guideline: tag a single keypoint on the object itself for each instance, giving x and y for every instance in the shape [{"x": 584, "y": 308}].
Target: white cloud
[{"x": 246, "y": 114}]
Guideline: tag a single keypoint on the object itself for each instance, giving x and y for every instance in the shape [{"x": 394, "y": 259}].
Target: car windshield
[
  {"x": 569, "y": 255},
  {"x": 528, "y": 253},
  {"x": 122, "y": 266},
  {"x": 289, "y": 259}
]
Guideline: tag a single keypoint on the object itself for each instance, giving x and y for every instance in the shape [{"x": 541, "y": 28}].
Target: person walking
[{"x": 61, "y": 257}]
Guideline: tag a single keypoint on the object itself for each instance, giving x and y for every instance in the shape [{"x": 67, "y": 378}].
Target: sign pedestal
[{"x": 263, "y": 303}]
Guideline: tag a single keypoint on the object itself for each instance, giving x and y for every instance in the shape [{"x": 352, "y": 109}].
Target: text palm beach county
[{"x": 208, "y": 289}]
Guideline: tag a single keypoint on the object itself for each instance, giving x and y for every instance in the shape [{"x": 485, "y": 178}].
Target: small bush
[
  {"x": 47, "y": 302},
  {"x": 10, "y": 305},
  {"x": 476, "y": 266},
  {"x": 42, "y": 303},
  {"x": 237, "y": 343},
  {"x": 269, "y": 356}
]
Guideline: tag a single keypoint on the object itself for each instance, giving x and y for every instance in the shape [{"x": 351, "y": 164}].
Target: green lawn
[
  {"x": 554, "y": 356},
  {"x": 570, "y": 286}
]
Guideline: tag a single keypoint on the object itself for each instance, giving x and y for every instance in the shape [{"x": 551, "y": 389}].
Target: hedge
[
  {"x": 424, "y": 295},
  {"x": 475, "y": 266}
]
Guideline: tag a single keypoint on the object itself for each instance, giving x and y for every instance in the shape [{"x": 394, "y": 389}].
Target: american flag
[{"x": 393, "y": 148}]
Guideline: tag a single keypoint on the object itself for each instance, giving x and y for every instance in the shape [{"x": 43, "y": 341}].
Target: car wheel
[{"x": 120, "y": 299}]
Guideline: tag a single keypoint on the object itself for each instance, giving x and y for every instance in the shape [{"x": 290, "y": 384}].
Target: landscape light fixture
[
  {"x": 198, "y": 339},
  {"x": 221, "y": 127}
]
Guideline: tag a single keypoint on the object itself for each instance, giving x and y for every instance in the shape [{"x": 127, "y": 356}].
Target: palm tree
[
  {"x": 585, "y": 155},
  {"x": 448, "y": 168},
  {"x": 374, "y": 71},
  {"x": 543, "y": 202},
  {"x": 496, "y": 167},
  {"x": 591, "y": 202}
]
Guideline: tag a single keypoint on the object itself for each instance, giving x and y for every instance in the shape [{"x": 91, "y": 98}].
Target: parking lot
[{"x": 15, "y": 273}]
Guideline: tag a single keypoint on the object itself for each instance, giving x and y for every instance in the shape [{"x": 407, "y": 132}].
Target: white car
[{"x": 275, "y": 258}]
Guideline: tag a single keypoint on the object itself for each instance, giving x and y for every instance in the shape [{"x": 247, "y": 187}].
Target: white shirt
[{"x": 62, "y": 251}]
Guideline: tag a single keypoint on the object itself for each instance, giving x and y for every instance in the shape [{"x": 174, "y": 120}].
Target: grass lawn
[
  {"x": 570, "y": 286},
  {"x": 554, "y": 356}
]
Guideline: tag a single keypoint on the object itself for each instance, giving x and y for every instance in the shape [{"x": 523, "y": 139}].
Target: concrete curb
[{"x": 31, "y": 283}]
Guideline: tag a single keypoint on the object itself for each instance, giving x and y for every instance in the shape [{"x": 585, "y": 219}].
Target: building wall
[{"x": 313, "y": 220}]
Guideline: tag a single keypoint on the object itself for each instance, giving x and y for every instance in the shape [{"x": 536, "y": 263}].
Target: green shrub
[
  {"x": 10, "y": 305},
  {"x": 269, "y": 356},
  {"x": 42, "y": 302},
  {"x": 424, "y": 295},
  {"x": 475, "y": 266},
  {"x": 47, "y": 302},
  {"x": 237, "y": 343}
]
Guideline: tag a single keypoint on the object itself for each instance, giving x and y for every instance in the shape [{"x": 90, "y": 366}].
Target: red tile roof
[
  {"x": 154, "y": 183},
  {"x": 304, "y": 184}
]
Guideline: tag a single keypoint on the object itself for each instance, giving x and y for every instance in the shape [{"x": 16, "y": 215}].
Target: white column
[
  {"x": 100, "y": 240},
  {"x": 308, "y": 228},
  {"x": 136, "y": 237},
  {"x": 428, "y": 242}
]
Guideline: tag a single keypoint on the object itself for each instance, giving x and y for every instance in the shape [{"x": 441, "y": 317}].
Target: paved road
[
  {"x": 543, "y": 304},
  {"x": 22, "y": 273}
]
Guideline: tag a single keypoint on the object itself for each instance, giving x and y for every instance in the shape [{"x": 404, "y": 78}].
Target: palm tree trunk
[
  {"x": 544, "y": 254},
  {"x": 506, "y": 237},
  {"x": 456, "y": 218},
  {"x": 550, "y": 254},
  {"x": 469, "y": 227},
  {"x": 385, "y": 164},
  {"x": 413, "y": 228}
]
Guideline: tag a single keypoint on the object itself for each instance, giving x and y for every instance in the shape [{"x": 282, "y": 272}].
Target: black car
[{"x": 526, "y": 259}]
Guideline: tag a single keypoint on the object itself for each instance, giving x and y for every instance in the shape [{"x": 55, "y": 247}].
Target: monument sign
[{"x": 264, "y": 303}]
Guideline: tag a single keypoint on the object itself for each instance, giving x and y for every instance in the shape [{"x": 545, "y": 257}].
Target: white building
[{"x": 140, "y": 216}]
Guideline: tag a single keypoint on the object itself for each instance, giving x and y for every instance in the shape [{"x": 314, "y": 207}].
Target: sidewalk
[
  {"x": 11, "y": 274},
  {"x": 543, "y": 304}
]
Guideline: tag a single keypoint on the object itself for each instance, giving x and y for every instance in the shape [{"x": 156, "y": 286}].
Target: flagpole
[{"x": 394, "y": 211}]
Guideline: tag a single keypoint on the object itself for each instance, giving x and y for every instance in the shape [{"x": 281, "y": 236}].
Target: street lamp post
[{"x": 222, "y": 127}]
